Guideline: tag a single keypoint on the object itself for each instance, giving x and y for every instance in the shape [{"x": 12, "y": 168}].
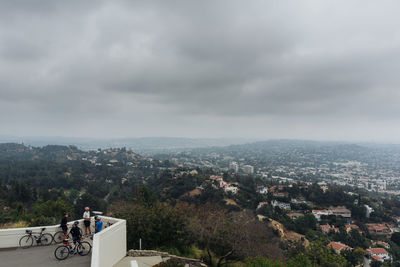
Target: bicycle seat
[
  {"x": 44, "y": 228},
  {"x": 28, "y": 231}
]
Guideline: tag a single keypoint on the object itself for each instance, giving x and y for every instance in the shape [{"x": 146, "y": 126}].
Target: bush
[{"x": 171, "y": 263}]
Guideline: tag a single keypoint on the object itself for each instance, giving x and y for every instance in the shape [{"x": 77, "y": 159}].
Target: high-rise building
[
  {"x": 233, "y": 166},
  {"x": 248, "y": 169}
]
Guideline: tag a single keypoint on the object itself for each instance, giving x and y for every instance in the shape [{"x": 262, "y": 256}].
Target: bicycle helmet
[
  {"x": 96, "y": 217},
  {"x": 76, "y": 223}
]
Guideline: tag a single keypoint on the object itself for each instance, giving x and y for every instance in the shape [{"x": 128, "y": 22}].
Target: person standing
[
  {"x": 99, "y": 224},
  {"x": 86, "y": 221},
  {"x": 64, "y": 224}
]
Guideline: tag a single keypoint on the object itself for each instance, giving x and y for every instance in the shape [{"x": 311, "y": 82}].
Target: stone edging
[{"x": 150, "y": 253}]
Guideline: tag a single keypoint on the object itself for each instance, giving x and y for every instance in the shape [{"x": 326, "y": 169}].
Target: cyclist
[
  {"x": 98, "y": 225},
  {"x": 76, "y": 232},
  {"x": 64, "y": 224},
  {"x": 86, "y": 221}
]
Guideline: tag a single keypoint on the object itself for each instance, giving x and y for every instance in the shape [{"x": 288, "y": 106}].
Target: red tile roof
[
  {"x": 375, "y": 251},
  {"x": 338, "y": 246},
  {"x": 377, "y": 258}
]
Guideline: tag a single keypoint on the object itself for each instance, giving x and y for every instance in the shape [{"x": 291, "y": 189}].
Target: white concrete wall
[
  {"x": 10, "y": 237},
  {"x": 109, "y": 245}
]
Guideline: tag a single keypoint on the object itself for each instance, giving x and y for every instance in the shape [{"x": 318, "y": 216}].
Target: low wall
[
  {"x": 109, "y": 245},
  {"x": 165, "y": 255},
  {"x": 9, "y": 238}
]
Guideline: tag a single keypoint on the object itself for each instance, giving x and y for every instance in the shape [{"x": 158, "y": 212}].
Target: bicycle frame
[
  {"x": 37, "y": 236},
  {"x": 76, "y": 244}
]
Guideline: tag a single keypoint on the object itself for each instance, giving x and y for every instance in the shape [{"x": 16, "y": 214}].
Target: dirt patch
[
  {"x": 230, "y": 202},
  {"x": 287, "y": 235},
  {"x": 194, "y": 192}
]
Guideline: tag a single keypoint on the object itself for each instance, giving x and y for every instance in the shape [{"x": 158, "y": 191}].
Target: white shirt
[{"x": 86, "y": 215}]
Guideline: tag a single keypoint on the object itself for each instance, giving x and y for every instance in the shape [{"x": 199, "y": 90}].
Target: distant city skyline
[{"x": 309, "y": 70}]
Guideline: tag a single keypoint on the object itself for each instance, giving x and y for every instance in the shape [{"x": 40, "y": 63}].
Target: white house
[
  {"x": 378, "y": 252},
  {"x": 319, "y": 213},
  {"x": 262, "y": 190},
  {"x": 281, "y": 205}
]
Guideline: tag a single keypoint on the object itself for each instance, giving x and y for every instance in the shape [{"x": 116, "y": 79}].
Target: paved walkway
[
  {"x": 41, "y": 256},
  {"x": 138, "y": 261}
]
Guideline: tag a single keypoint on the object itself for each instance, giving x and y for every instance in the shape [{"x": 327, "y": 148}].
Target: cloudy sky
[{"x": 327, "y": 70}]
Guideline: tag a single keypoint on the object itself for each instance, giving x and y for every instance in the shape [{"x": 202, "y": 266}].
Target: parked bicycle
[
  {"x": 80, "y": 247},
  {"x": 41, "y": 238}
]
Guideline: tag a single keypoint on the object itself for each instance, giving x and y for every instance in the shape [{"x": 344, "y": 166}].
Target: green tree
[{"x": 160, "y": 226}]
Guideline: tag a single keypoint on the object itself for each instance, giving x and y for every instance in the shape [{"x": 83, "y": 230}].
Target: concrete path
[
  {"x": 138, "y": 261},
  {"x": 41, "y": 256}
]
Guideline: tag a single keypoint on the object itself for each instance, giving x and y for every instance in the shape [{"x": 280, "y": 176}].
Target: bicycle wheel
[
  {"x": 61, "y": 252},
  {"x": 84, "y": 248},
  {"x": 46, "y": 239},
  {"x": 59, "y": 237},
  {"x": 26, "y": 241}
]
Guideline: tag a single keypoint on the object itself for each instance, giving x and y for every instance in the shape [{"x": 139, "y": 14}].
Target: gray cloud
[{"x": 272, "y": 69}]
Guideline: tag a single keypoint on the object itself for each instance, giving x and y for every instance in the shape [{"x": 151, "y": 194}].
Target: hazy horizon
[{"x": 309, "y": 70}]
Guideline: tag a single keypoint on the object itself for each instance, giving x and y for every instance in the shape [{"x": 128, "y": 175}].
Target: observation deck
[{"x": 108, "y": 247}]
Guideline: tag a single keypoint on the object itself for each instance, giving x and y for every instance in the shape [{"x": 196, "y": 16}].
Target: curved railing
[{"x": 109, "y": 245}]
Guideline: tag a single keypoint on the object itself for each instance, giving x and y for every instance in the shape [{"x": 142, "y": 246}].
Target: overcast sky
[{"x": 327, "y": 70}]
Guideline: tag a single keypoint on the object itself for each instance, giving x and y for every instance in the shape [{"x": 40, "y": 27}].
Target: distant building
[
  {"x": 216, "y": 178},
  {"x": 383, "y": 244},
  {"x": 350, "y": 227},
  {"x": 233, "y": 166},
  {"x": 368, "y": 211},
  {"x": 232, "y": 189},
  {"x": 262, "y": 190},
  {"x": 338, "y": 247},
  {"x": 326, "y": 229},
  {"x": 248, "y": 169},
  {"x": 294, "y": 215},
  {"x": 378, "y": 254},
  {"x": 378, "y": 229},
  {"x": 318, "y": 213},
  {"x": 338, "y": 211},
  {"x": 281, "y": 205}
]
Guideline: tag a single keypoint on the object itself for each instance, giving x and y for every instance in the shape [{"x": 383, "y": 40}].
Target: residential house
[
  {"x": 262, "y": 190},
  {"x": 281, "y": 205},
  {"x": 294, "y": 215},
  {"x": 319, "y": 213},
  {"x": 338, "y": 247},
  {"x": 378, "y": 229},
  {"x": 326, "y": 228},
  {"x": 232, "y": 189},
  {"x": 379, "y": 252},
  {"x": 216, "y": 178},
  {"x": 340, "y": 211},
  {"x": 350, "y": 227},
  {"x": 383, "y": 244}
]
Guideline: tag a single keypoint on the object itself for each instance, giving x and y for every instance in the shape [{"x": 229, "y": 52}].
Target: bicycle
[
  {"x": 81, "y": 247},
  {"x": 41, "y": 239},
  {"x": 59, "y": 236}
]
